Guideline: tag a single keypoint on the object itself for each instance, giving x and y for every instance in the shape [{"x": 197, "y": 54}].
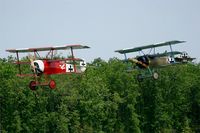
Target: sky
[{"x": 104, "y": 25}]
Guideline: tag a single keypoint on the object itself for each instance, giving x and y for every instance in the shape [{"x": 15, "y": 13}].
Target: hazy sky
[{"x": 104, "y": 25}]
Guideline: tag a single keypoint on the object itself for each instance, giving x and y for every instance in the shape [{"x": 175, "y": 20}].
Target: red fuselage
[
  {"x": 49, "y": 67},
  {"x": 54, "y": 67}
]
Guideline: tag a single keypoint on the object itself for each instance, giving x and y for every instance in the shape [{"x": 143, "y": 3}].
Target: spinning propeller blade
[{"x": 31, "y": 58}]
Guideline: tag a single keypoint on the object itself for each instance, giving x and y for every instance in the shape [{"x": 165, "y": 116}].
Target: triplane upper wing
[
  {"x": 50, "y": 64},
  {"x": 23, "y": 50}
]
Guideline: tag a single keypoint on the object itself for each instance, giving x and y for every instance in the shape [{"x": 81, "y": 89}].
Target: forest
[{"x": 105, "y": 99}]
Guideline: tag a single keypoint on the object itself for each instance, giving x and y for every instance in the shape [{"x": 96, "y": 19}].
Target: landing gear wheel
[
  {"x": 139, "y": 77},
  {"x": 52, "y": 84},
  {"x": 32, "y": 85},
  {"x": 155, "y": 75}
]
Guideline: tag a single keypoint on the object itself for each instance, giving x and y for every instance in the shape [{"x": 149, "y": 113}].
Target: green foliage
[{"x": 104, "y": 99}]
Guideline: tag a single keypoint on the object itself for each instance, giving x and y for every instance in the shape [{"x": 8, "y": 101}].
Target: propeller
[
  {"x": 133, "y": 60},
  {"x": 138, "y": 62},
  {"x": 32, "y": 58}
]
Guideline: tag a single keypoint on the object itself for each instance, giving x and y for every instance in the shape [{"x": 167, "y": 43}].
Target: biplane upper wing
[
  {"x": 129, "y": 50},
  {"x": 168, "y": 43},
  {"x": 23, "y": 50}
]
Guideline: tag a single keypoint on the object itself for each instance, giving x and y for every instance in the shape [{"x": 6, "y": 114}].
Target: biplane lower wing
[
  {"x": 164, "y": 54},
  {"x": 168, "y": 65}
]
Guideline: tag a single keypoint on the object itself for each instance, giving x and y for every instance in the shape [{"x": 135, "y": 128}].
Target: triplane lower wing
[
  {"x": 154, "y": 60},
  {"x": 49, "y": 65}
]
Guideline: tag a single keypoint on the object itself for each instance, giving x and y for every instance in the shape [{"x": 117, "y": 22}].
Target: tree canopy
[{"x": 105, "y": 99}]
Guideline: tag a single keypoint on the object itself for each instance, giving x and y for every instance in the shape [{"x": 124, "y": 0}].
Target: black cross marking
[
  {"x": 70, "y": 68},
  {"x": 83, "y": 64}
]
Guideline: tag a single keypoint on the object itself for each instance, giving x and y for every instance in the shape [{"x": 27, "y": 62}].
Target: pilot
[{"x": 144, "y": 61}]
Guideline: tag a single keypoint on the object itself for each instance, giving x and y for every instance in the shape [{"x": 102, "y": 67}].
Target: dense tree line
[{"x": 104, "y": 99}]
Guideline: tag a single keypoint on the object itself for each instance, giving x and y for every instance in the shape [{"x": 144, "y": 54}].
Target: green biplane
[{"x": 148, "y": 63}]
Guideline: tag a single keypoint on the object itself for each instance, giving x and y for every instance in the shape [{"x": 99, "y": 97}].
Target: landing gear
[
  {"x": 32, "y": 85},
  {"x": 140, "y": 77},
  {"x": 155, "y": 75},
  {"x": 52, "y": 84}
]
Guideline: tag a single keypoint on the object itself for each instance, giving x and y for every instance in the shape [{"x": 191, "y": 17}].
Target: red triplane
[{"x": 49, "y": 65}]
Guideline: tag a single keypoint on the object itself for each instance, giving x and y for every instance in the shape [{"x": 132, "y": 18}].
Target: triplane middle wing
[
  {"x": 154, "y": 60},
  {"x": 49, "y": 65}
]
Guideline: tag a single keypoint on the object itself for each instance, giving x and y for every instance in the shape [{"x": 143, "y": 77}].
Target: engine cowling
[
  {"x": 38, "y": 66},
  {"x": 145, "y": 60}
]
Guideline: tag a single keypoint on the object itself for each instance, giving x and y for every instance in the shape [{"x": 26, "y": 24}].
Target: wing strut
[
  {"x": 74, "y": 63},
  {"x": 36, "y": 54},
  {"x": 143, "y": 53},
  {"x": 125, "y": 57},
  {"x": 50, "y": 54},
  {"x": 19, "y": 68},
  {"x": 171, "y": 55},
  {"x": 150, "y": 51}
]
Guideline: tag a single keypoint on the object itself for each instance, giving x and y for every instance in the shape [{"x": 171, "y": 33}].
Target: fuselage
[
  {"x": 57, "y": 67},
  {"x": 149, "y": 61},
  {"x": 158, "y": 60}
]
